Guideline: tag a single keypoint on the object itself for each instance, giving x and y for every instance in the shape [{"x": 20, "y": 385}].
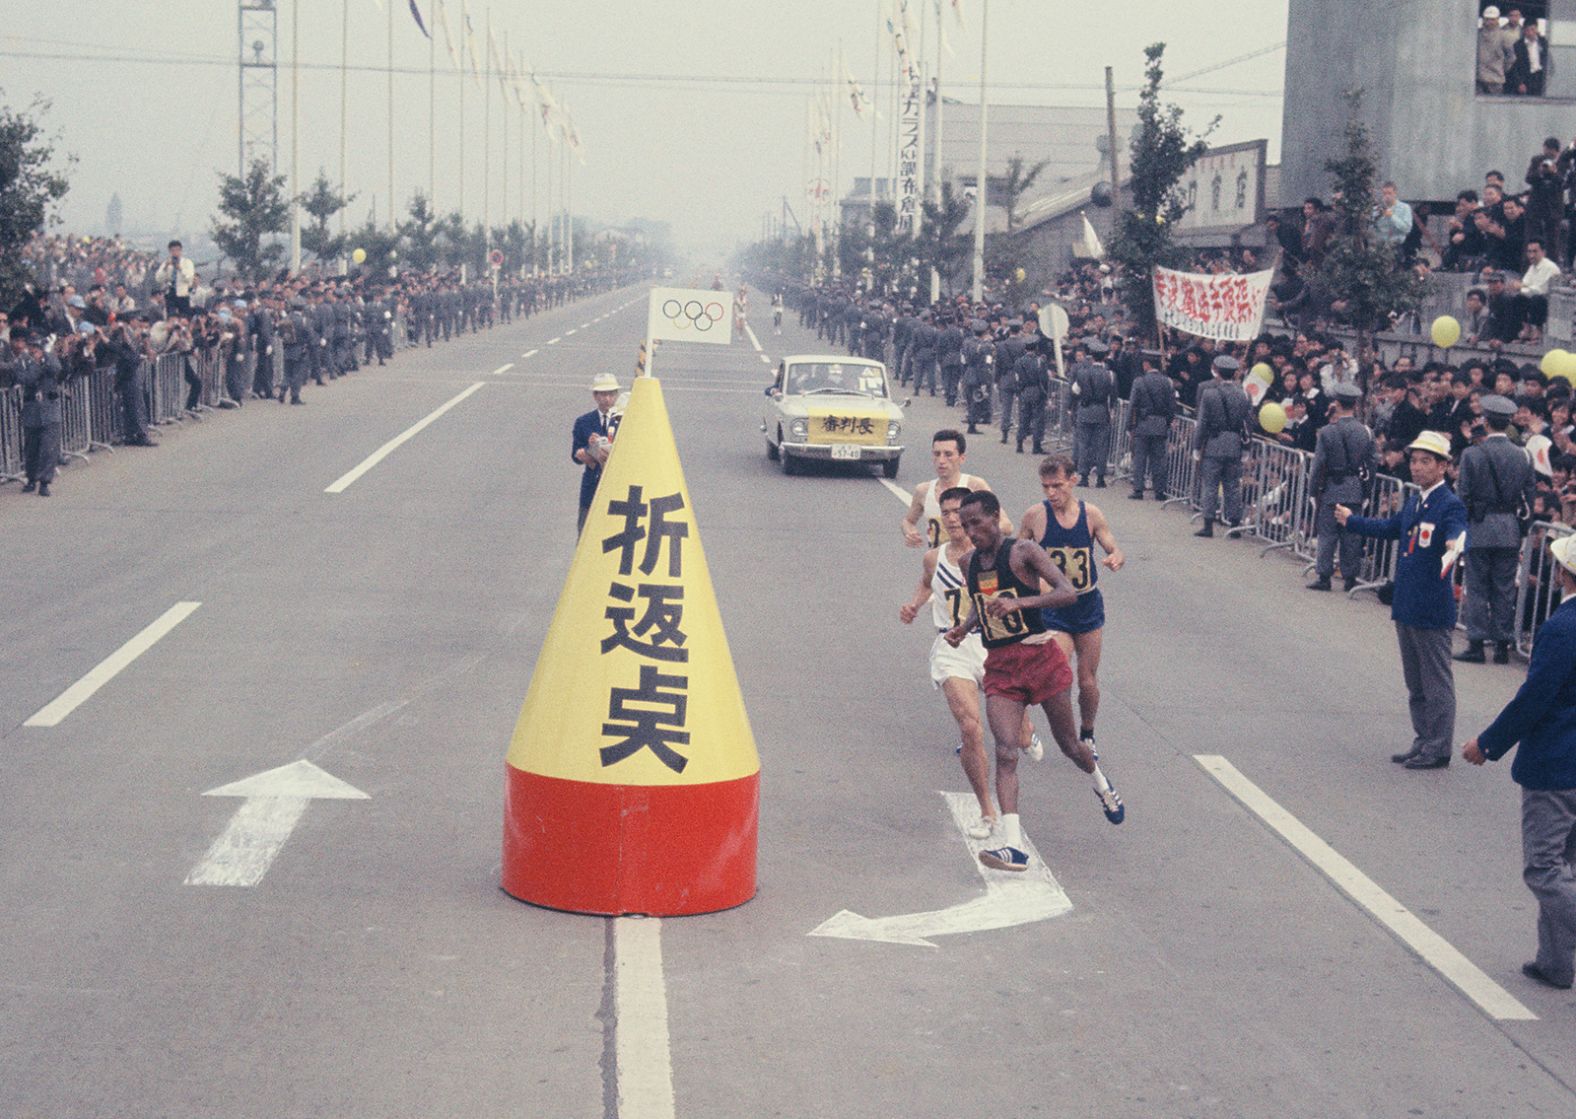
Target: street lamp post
[{"x": 977, "y": 291}]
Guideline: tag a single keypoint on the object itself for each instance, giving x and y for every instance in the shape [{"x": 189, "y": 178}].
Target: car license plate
[{"x": 845, "y": 451}]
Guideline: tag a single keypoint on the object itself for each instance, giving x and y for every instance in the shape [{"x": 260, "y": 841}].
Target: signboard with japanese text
[
  {"x": 1227, "y": 307},
  {"x": 1224, "y": 190},
  {"x": 846, "y": 426},
  {"x": 911, "y": 105}
]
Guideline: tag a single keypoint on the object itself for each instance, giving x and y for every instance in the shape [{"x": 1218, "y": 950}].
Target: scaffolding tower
[{"x": 257, "y": 23}]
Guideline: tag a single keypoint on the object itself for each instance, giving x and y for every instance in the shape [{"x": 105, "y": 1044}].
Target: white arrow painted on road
[
  {"x": 1011, "y": 897},
  {"x": 275, "y": 801}
]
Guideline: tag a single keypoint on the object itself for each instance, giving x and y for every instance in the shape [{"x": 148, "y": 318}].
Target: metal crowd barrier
[
  {"x": 104, "y": 411},
  {"x": 1181, "y": 467},
  {"x": 76, "y": 438},
  {"x": 1277, "y": 507},
  {"x": 1119, "y": 465},
  {"x": 11, "y": 462},
  {"x": 1537, "y": 587},
  {"x": 167, "y": 389},
  {"x": 1385, "y": 497}
]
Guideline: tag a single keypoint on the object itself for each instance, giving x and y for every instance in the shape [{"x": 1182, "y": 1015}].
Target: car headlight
[
  {"x": 893, "y": 430},
  {"x": 799, "y": 430}
]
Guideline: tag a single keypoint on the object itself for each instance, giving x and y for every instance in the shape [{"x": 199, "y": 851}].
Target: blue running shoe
[
  {"x": 1111, "y": 804},
  {"x": 1005, "y": 858}
]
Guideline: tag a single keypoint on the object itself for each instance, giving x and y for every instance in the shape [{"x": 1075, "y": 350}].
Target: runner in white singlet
[{"x": 922, "y": 523}]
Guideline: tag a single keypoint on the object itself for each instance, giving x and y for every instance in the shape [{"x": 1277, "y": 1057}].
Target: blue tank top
[{"x": 1071, "y": 549}]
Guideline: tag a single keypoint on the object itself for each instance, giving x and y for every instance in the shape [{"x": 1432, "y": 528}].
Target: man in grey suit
[
  {"x": 1344, "y": 458},
  {"x": 1154, "y": 405},
  {"x": 1496, "y": 481},
  {"x": 1094, "y": 386},
  {"x": 1223, "y": 412}
]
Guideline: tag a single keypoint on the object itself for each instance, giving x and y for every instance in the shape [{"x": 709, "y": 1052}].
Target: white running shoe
[
  {"x": 983, "y": 828},
  {"x": 1035, "y": 750}
]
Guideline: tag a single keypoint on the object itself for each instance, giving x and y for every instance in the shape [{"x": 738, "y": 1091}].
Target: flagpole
[
  {"x": 487, "y": 136},
  {"x": 465, "y": 24},
  {"x": 935, "y": 143},
  {"x": 390, "y": 207},
  {"x": 569, "y": 212},
  {"x": 552, "y": 213},
  {"x": 875, "y": 143},
  {"x": 525, "y": 115},
  {"x": 536, "y": 229},
  {"x": 503, "y": 198},
  {"x": 432, "y": 115},
  {"x": 837, "y": 170},
  {"x": 344, "y": 99},
  {"x": 295, "y": 137},
  {"x": 981, "y": 193}
]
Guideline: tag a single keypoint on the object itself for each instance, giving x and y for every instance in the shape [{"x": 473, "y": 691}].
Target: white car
[{"x": 832, "y": 408}]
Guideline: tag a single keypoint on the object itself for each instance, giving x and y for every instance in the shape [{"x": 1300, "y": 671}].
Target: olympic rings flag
[{"x": 690, "y": 315}]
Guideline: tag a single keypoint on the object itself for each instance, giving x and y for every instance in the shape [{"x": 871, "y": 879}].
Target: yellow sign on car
[{"x": 847, "y": 425}]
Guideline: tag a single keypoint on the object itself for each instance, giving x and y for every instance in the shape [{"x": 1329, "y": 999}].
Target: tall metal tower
[{"x": 257, "y": 24}]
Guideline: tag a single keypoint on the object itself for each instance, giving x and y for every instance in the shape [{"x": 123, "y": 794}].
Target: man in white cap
[
  {"x": 592, "y": 440},
  {"x": 1431, "y": 529},
  {"x": 1495, "y": 52},
  {"x": 1542, "y": 719}
]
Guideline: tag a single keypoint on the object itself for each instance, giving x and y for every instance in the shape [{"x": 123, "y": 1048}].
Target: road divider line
[
  {"x": 502, "y": 369},
  {"x": 530, "y": 353},
  {"x": 897, "y": 491},
  {"x": 111, "y": 666},
  {"x": 1434, "y": 950},
  {"x": 383, "y": 452},
  {"x": 571, "y": 330},
  {"x": 643, "y": 1059},
  {"x": 754, "y": 341},
  {"x": 554, "y": 341}
]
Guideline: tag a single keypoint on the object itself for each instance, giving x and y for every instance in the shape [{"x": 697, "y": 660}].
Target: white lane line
[
  {"x": 754, "y": 341},
  {"x": 1435, "y": 950},
  {"x": 584, "y": 325},
  {"x": 765, "y": 360},
  {"x": 644, "y": 1063},
  {"x": 502, "y": 369},
  {"x": 107, "y": 669},
  {"x": 897, "y": 491},
  {"x": 554, "y": 341},
  {"x": 393, "y": 444},
  {"x": 530, "y": 353},
  {"x": 571, "y": 330}
]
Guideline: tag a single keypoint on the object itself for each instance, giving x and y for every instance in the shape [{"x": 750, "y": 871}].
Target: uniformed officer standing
[
  {"x": 979, "y": 375},
  {"x": 1223, "y": 412},
  {"x": 39, "y": 376},
  {"x": 1008, "y": 350},
  {"x": 1154, "y": 405},
  {"x": 1034, "y": 386},
  {"x": 949, "y": 355},
  {"x": 1344, "y": 459},
  {"x": 295, "y": 334},
  {"x": 1430, "y": 529},
  {"x": 260, "y": 325},
  {"x": 1094, "y": 387},
  {"x": 1496, "y": 482},
  {"x": 925, "y": 337},
  {"x": 1542, "y": 718}
]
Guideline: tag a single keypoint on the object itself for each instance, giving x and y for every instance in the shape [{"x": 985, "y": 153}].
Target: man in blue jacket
[
  {"x": 1431, "y": 531},
  {"x": 592, "y": 439},
  {"x": 1542, "y": 718}
]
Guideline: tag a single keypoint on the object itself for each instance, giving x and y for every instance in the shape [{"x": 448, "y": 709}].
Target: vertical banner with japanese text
[
  {"x": 1227, "y": 307},
  {"x": 911, "y": 104}
]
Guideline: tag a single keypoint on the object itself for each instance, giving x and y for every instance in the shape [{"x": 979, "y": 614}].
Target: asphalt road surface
[{"x": 1286, "y": 924}]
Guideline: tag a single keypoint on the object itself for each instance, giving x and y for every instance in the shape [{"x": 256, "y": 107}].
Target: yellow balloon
[
  {"x": 1272, "y": 418},
  {"x": 1019, "y": 275},
  {"x": 359, "y": 256},
  {"x": 1445, "y": 331},
  {"x": 1565, "y": 366},
  {"x": 1264, "y": 372},
  {"x": 1554, "y": 361}
]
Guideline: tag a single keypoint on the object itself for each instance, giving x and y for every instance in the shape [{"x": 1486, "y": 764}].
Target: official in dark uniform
[
  {"x": 1034, "y": 386},
  {"x": 1431, "y": 529},
  {"x": 1344, "y": 459},
  {"x": 588, "y": 444},
  {"x": 1154, "y": 405},
  {"x": 40, "y": 378},
  {"x": 979, "y": 374},
  {"x": 1223, "y": 411},
  {"x": 1542, "y": 718},
  {"x": 1094, "y": 389},
  {"x": 1496, "y": 481}
]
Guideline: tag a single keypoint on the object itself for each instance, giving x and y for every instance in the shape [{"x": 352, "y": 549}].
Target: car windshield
[{"x": 836, "y": 377}]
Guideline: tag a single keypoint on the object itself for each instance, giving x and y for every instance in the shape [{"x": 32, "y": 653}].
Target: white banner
[
  {"x": 690, "y": 315},
  {"x": 1227, "y": 308},
  {"x": 912, "y": 104}
]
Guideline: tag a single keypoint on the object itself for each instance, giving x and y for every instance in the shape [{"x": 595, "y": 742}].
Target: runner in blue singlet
[{"x": 1068, "y": 530}]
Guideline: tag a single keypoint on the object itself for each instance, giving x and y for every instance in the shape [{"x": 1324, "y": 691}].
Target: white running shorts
[{"x": 966, "y": 662}]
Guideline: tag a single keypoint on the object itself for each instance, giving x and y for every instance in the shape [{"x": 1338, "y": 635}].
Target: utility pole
[
  {"x": 295, "y": 136},
  {"x": 1110, "y": 135},
  {"x": 981, "y": 190},
  {"x": 391, "y": 118}
]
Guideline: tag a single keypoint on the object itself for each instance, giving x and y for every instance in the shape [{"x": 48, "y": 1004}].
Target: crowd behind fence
[{"x": 1280, "y": 507}]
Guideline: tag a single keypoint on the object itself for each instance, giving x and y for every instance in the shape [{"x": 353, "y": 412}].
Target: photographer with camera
[
  {"x": 177, "y": 277},
  {"x": 129, "y": 349}
]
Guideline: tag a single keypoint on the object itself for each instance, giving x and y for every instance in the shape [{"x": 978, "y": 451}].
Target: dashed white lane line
[
  {"x": 642, "y": 1055},
  {"x": 754, "y": 341},
  {"x": 571, "y": 330},
  {"x": 584, "y": 325},
  {"x": 554, "y": 341},
  {"x": 502, "y": 369},
  {"x": 530, "y": 353},
  {"x": 1435, "y": 950},
  {"x": 111, "y": 666},
  {"x": 897, "y": 491},
  {"x": 383, "y": 452}
]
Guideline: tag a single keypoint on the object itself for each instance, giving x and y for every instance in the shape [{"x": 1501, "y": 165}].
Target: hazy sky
[{"x": 146, "y": 94}]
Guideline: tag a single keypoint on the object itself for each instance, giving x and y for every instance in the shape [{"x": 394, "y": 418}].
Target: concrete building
[{"x": 1434, "y": 132}]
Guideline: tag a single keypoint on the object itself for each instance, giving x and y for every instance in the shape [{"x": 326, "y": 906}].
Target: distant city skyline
[{"x": 698, "y": 121}]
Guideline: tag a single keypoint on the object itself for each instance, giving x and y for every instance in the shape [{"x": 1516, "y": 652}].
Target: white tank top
[
  {"x": 934, "y": 532},
  {"x": 949, "y": 593}
]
